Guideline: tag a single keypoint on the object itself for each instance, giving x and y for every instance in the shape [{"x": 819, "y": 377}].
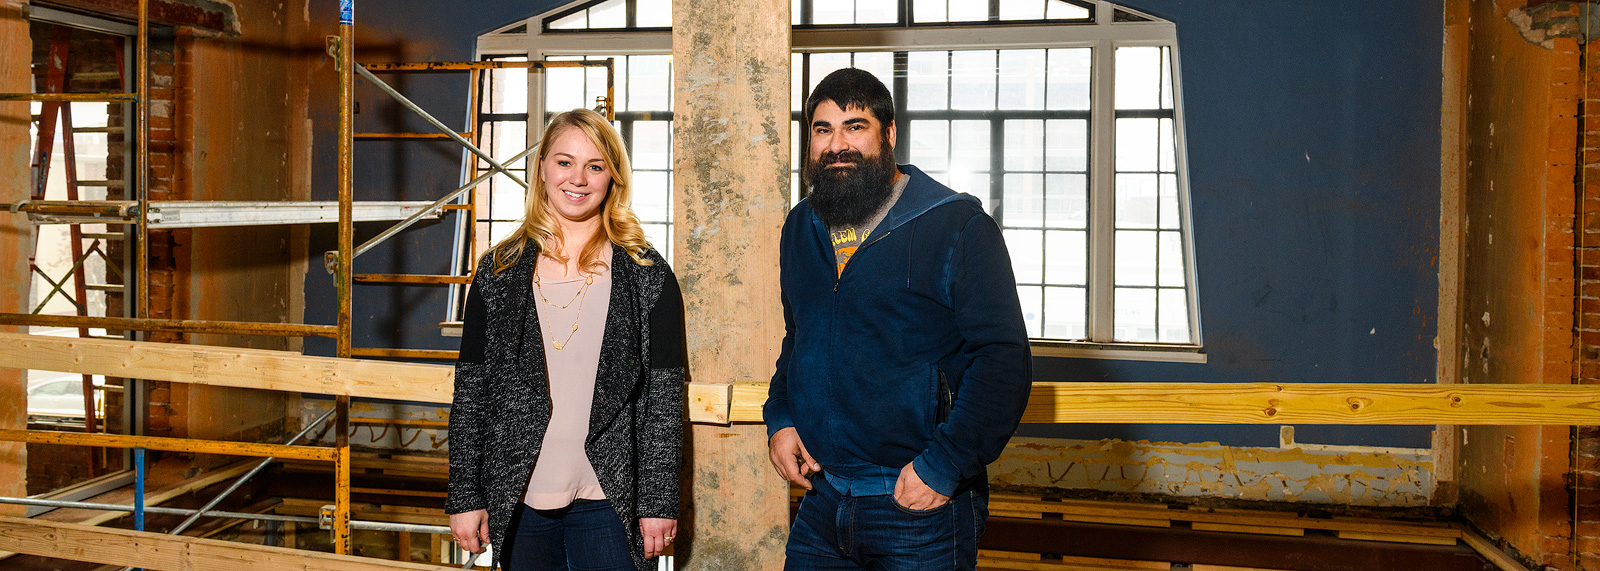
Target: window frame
[{"x": 1102, "y": 33}]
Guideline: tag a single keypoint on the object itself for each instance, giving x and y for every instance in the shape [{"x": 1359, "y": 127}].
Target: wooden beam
[
  {"x": 1262, "y": 403},
  {"x": 229, "y": 367},
  {"x": 1133, "y": 403},
  {"x": 1313, "y": 403},
  {"x": 169, "y": 444},
  {"x": 1488, "y": 550},
  {"x": 165, "y": 552}
]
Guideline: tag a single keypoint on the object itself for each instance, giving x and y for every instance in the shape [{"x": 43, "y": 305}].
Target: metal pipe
[
  {"x": 440, "y": 126},
  {"x": 313, "y": 453},
  {"x": 245, "y": 478},
  {"x": 403, "y": 224},
  {"x": 611, "y": 89},
  {"x": 368, "y": 525},
  {"x": 84, "y": 97},
  {"x": 341, "y": 404},
  {"x": 142, "y": 166},
  {"x": 111, "y": 208},
  {"x": 131, "y": 324},
  {"x": 448, "y": 66},
  {"x": 153, "y": 510},
  {"x": 403, "y": 527}
]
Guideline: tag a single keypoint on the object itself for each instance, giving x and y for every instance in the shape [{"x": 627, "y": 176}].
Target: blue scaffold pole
[
  {"x": 138, "y": 490},
  {"x": 347, "y": 12}
]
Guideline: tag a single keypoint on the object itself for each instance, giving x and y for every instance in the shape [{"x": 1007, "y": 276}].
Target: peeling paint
[
  {"x": 1358, "y": 478},
  {"x": 1541, "y": 25}
]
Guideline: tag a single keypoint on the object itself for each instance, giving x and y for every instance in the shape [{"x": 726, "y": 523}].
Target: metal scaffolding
[{"x": 144, "y": 215}]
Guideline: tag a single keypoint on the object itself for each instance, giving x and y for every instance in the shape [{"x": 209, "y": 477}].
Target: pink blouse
[{"x": 562, "y": 472}]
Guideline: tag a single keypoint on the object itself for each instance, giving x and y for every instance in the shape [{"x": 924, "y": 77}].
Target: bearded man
[{"x": 905, "y": 365}]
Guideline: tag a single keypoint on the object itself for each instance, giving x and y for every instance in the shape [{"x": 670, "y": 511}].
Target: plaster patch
[{"x": 1358, "y": 478}]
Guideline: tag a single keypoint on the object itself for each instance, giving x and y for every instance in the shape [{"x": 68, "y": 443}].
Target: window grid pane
[
  {"x": 644, "y": 89},
  {"x": 989, "y": 123},
  {"x": 1151, "y": 299}
]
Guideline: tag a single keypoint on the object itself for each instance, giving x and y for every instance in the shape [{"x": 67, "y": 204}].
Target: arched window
[{"x": 1064, "y": 117}]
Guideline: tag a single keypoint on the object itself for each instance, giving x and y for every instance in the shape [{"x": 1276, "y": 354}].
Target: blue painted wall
[{"x": 1313, "y": 137}]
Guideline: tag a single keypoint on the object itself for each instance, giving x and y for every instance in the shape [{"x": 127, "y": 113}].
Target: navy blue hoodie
[{"x": 916, "y": 353}]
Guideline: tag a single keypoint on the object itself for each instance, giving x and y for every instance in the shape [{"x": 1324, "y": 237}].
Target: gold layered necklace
[{"x": 579, "y": 297}]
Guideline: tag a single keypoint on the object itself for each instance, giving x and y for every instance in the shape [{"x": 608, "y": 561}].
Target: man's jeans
[
  {"x": 836, "y": 531},
  {"x": 585, "y": 536}
]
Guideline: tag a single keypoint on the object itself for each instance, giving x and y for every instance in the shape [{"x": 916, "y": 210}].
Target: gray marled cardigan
[{"x": 502, "y": 396}]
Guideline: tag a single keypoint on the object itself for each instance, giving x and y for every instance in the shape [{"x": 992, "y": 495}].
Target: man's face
[
  {"x": 849, "y": 166},
  {"x": 842, "y": 138}
]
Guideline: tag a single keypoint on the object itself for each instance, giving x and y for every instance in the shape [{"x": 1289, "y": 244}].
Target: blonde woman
[{"x": 566, "y": 430}]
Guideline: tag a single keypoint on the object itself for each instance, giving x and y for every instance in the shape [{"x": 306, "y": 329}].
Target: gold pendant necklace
[{"x": 582, "y": 294}]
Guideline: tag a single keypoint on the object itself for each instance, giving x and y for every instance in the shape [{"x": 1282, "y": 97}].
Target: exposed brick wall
[
  {"x": 1585, "y": 478},
  {"x": 167, "y": 253}
]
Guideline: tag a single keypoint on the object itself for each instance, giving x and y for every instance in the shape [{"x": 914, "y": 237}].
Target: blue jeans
[
  {"x": 833, "y": 531},
  {"x": 585, "y": 536}
]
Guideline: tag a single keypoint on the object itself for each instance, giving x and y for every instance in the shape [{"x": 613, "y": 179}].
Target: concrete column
[
  {"x": 730, "y": 187},
  {"x": 16, "y": 54}
]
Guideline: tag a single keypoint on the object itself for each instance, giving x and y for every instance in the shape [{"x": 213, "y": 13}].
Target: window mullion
[
  {"x": 536, "y": 103},
  {"x": 1185, "y": 219},
  {"x": 1102, "y": 213}
]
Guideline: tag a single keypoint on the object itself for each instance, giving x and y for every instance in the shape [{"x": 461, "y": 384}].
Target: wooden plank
[
  {"x": 1256, "y": 529},
  {"x": 709, "y": 402},
  {"x": 1314, "y": 403},
  {"x": 169, "y": 444},
  {"x": 1014, "y": 555},
  {"x": 1396, "y": 537},
  {"x": 229, "y": 366},
  {"x": 435, "y": 354},
  {"x": 1374, "y": 527},
  {"x": 1068, "y": 564},
  {"x": 1490, "y": 552},
  {"x": 1141, "y": 522},
  {"x": 1285, "y": 403},
  {"x": 394, "y": 492},
  {"x": 175, "y": 553}
]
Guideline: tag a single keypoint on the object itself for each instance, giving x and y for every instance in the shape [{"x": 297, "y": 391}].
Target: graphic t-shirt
[{"x": 847, "y": 239}]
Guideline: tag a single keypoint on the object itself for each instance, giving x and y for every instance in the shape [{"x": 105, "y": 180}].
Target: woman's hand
[
  {"x": 657, "y": 533},
  {"x": 471, "y": 530}
]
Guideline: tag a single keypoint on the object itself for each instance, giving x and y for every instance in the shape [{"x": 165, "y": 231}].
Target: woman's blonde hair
[{"x": 618, "y": 224}]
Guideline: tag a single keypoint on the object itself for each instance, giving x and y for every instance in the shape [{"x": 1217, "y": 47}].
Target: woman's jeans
[
  {"x": 585, "y": 536},
  {"x": 833, "y": 531}
]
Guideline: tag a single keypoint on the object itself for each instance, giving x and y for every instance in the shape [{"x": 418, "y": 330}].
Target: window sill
[{"x": 1157, "y": 352}]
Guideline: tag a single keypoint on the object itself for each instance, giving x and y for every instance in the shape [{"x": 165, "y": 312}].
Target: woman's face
[{"x": 576, "y": 178}]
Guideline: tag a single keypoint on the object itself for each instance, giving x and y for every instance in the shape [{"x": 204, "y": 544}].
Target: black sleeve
[
  {"x": 661, "y": 418},
  {"x": 667, "y": 348},
  {"x": 469, "y": 411},
  {"x": 472, "y": 328}
]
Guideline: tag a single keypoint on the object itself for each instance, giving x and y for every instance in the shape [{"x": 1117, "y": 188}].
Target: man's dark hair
[{"x": 853, "y": 88}]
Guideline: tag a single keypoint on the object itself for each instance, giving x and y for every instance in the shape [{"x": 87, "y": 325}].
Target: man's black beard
[{"x": 849, "y": 196}]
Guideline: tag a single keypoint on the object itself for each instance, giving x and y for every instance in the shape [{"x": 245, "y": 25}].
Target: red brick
[
  {"x": 1589, "y": 529},
  {"x": 1554, "y": 545}
]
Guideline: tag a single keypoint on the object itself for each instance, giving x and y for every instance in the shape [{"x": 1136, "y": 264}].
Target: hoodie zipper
[{"x": 840, "y": 275}]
